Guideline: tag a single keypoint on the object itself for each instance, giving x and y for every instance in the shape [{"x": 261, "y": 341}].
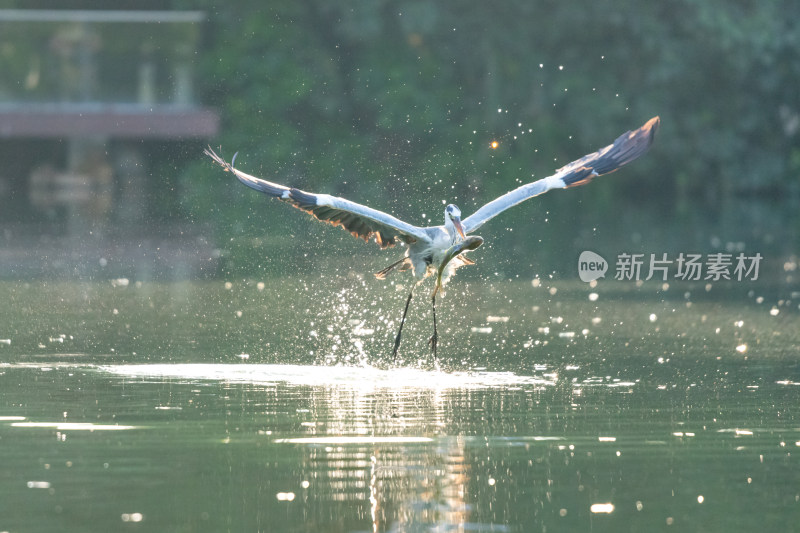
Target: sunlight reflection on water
[
  {"x": 566, "y": 447},
  {"x": 352, "y": 377},
  {"x": 72, "y": 426}
]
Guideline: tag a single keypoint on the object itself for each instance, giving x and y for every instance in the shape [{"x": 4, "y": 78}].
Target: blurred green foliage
[{"x": 394, "y": 103}]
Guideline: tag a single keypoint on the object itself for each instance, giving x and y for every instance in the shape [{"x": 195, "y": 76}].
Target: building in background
[{"x": 88, "y": 100}]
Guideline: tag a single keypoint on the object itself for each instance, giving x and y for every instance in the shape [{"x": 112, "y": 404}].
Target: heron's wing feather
[
  {"x": 626, "y": 148},
  {"x": 360, "y": 220}
]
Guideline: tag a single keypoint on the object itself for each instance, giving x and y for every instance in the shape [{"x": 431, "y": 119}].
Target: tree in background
[{"x": 395, "y": 102}]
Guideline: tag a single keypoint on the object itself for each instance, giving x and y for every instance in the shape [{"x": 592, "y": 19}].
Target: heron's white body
[{"x": 426, "y": 257}]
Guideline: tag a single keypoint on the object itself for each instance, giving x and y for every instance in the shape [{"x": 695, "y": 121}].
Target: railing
[{"x": 69, "y": 57}]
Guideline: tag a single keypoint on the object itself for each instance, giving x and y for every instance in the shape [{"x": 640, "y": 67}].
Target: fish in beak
[{"x": 470, "y": 243}]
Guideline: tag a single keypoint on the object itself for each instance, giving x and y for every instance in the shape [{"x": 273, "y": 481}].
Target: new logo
[{"x": 591, "y": 266}]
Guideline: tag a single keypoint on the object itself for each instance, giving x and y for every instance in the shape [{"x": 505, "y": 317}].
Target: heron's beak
[{"x": 459, "y": 227}]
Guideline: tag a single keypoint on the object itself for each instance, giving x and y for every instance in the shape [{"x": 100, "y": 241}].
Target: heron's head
[{"x": 452, "y": 220}]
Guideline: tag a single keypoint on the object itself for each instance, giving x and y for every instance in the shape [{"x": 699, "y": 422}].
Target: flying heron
[{"x": 439, "y": 250}]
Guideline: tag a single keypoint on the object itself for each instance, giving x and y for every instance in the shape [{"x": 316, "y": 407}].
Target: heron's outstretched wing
[
  {"x": 360, "y": 220},
  {"x": 625, "y": 149}
]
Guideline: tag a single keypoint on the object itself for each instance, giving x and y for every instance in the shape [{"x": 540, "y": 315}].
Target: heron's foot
[{"x": 432, "y": 342}]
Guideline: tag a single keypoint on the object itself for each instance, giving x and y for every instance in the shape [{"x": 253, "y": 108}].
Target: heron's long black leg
[
  {"x": 402, "y": 321},
  {"x": 435, "y": 338}
]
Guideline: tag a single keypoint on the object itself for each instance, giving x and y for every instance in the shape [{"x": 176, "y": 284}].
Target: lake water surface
[{"x": 275, "y": 406}]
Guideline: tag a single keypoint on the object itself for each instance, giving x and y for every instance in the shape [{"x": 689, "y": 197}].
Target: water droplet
[
  {"x": 132, "y": 517},
  {"x": 605, "y": 508}
]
